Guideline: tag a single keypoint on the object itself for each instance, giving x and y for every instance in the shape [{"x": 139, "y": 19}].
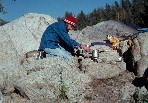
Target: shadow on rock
[{"x": 141, "y": 81}]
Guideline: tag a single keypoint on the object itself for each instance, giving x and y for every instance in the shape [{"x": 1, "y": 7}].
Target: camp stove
[{"x": 94, "y": 54}]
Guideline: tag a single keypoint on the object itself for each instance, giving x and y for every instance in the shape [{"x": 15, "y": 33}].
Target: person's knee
[
  {"x": 59, "y": 53},
  {"x": 66, "y": 56}
]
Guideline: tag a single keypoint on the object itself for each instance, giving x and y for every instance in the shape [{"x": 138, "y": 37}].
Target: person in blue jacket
[{"x": 56, "y": 41}]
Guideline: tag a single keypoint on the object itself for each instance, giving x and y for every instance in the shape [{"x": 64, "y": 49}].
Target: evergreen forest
[{"x": 131, "y": 12}]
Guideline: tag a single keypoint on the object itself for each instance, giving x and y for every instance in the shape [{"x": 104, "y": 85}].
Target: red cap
[{"x": 71, "y": 20}]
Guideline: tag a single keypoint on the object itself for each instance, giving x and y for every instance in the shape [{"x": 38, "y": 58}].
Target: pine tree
[
  {"x": 127, "y": 11},
  {"x": 108, "y": 13},
  {"x": 81, "y": 20},
  {"x": 117, "y": 11},
  {"x": 2, "y": 8},
  {"x": 144, "y": 17},
  {"x": 101, "y": 15},
  {"x": 133, "y": 12},
  {"x": 138, "y": 8},
  {"x": 68, "y": 14},
  {"x": 93, "y": 17},
  {"x": 123, "y": 11}
]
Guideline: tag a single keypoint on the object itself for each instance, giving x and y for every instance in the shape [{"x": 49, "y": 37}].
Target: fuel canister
[{"x": 95, "y": 55}]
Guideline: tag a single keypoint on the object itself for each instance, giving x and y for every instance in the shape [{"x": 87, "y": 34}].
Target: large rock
[
  {"x": 52, "y": 79},
  {"x": 47, "y": 78},
  {"x": 112, "y": 90},
  {"x": 9, "y": 62},
  {"x": 140, "y": 53},
  {"x": 25, "y": 32},
  {"x": 16, "y": 38},
  {"x": 99, "y": 31},
  {"x": 140, "y": 48},
  {"x": 142, "y": 65},
  {"x": 108, "y": 64}
]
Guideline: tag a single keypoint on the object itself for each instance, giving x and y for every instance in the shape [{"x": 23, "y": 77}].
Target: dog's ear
[{"x": 108, "y": 36}]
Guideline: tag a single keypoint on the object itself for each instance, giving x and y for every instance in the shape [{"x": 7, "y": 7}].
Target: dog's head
[{"x": 110, "y": 37}]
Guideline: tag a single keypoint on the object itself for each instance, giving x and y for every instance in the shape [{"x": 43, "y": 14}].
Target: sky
[{"x": 54, "y": 8}]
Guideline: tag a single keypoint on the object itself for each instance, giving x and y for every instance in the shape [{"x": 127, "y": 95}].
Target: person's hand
[{"x": 85, "y": 47}]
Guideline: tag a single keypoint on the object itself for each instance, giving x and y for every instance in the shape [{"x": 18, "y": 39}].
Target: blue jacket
[{"x": 55, "y": 35}]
